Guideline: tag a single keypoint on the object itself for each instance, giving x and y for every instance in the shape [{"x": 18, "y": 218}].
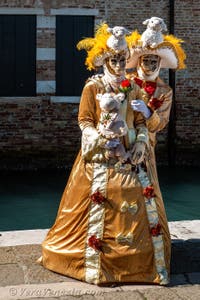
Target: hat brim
[
  {"x": 164, "y": 50},
  {"x": 100, "y": 60}
]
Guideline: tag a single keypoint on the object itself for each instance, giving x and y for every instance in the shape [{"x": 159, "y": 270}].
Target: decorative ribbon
[
  {"x": 155, "y": 227},
  {"x": 155, "y": 103},
  {"x": 148, "y": 86}
]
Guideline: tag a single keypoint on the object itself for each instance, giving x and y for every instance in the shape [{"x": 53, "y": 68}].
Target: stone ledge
[
  {"x": 22, "y": 237},
  {"x": 185, "y": 243},
  {"x": 181, "y": 231}
]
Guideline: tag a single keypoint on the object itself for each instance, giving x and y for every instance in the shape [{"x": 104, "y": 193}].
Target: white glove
[
  {"x": 140, "y": 106},
  {"x": 138, "y": 152}
]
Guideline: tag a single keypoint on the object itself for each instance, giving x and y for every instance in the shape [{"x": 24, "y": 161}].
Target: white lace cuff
[
  {"x": 142, "y": 135},
  {"x": 91, "y": 143}
]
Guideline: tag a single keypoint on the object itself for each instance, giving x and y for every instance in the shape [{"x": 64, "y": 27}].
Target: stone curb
[
  {"x": 79, "y": 290},
  {"x": 180, "y": 231},
  {"x": 62, "y": 289}
]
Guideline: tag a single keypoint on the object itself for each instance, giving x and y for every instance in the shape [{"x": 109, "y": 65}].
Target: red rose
[
  {"x": 148, "y": 191},
  {"x": 125, "y": 86},
  {"x": 94, "y": 243},
  {"x": 97, "y": 197},
  {"x": 156, "y": 230},
  {"x": 155, "y": 103}
]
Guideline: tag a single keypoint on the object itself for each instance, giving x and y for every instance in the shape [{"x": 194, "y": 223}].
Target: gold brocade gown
[{"x": 111, "y": 225}]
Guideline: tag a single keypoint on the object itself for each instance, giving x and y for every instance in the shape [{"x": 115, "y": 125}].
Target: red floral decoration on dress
[
  {"x": 97, "y": 197},
  {"x": 95, "y": 243},
  {"x": 148, "y": 191},
  {"x": 148, "y": 86},
  {"x": 155, "y": 103},
  {"x": 156, "y": 230},
  {"x": 125, "y": 86}
]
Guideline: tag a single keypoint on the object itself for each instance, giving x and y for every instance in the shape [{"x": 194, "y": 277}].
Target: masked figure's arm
[
  {"x": 160, "y": 116},
  {"x": 142, "y": 137},
  {"x": 88, "y": 119}
]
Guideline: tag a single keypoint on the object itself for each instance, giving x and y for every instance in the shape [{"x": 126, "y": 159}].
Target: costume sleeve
[
  {"x": 91, "y": 141},
  {"x": 87, "y": 108},
  {"x": 139, "y": 119},
  {"x": 160, "y": 116}
]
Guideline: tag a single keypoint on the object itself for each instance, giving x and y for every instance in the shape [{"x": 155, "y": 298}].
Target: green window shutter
[
  {"x": 17, "y": 55},
  {"x": 71, "y": 71}
]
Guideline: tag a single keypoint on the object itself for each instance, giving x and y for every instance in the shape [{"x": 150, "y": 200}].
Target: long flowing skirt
[{"x": 110, "y": 227}]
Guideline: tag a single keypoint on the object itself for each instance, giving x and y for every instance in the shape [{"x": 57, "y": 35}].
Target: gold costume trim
[
  {"x": 153, "y": 219},
  {"x": 95, "y": 224}
]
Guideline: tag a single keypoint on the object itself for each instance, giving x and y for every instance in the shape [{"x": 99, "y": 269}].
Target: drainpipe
[{"x": 171, "y": 144}]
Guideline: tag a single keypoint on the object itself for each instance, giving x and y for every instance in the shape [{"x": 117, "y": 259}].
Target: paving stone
[
  {"x": 27, "y": 254},
  {"x": 85, "y": 297},
  {"x": 138, "y": 287},
  {"x": 107, "y": 296},
  {"x": 68, "y": 290},
  {"x": 27, "y": 249},
  {"x": 11, "y": 274},
  {"x": 35, "y": 273},
  {"x": 79, "y": 291},
  {"x": 121, "y": 296},
  {"x": 7, "y": 256},
  {"x": 188, "y": 292},
  {"x": 46, "y": 298},
  {"x": 160, "y": 294}
]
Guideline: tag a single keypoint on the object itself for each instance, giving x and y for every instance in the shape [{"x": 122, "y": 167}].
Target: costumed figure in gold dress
[
  {"x": 111, "y": 224},
  {"x": 148, "y": 57},
  {"x": 150, "y": 52}
]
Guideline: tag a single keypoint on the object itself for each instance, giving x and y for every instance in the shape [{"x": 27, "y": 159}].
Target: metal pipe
[{"x": 171, "y": 144}]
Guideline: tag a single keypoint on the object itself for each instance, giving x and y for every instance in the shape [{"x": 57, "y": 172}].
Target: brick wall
[
  {"x": 38, "y": 132},
  {"x": 187, "y": 85}
]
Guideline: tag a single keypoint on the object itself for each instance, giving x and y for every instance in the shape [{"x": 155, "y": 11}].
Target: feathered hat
[
  {"x": 169, "y": 50},
  {"x": 106, "y": 42}
]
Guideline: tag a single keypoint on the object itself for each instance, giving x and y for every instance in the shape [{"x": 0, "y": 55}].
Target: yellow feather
[
  {"x": 179, "y": 50},
  {"x": 96, "y": 46},
  {"x": 132, "y": 40},
  {"x": 172, "y": 39},
  {"x": 86, "y": 44},
  {"x": 101, "y": 29}
]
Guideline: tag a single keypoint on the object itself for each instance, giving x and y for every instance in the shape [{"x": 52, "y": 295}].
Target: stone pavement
[{"x": 21, "y": 278}]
